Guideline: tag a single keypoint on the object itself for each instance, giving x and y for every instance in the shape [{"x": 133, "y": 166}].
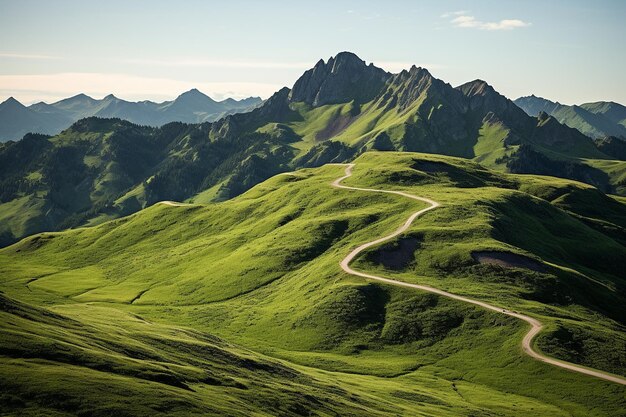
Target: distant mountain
[
  {"x": 16, "y": 120},
  {"x": 100, "y": 169},
  {"x": 190, "y": 107},
  {"x": 599, "y": 119}
]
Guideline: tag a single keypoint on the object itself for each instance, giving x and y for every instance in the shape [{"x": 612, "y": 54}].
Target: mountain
[
  {"x": 99, "y": 169},
  {"x": 190, "y": 107},
  {"x": 595, "y": 120},
  {"x": 612, "y": 146},
  {"x": 241, "y": 307},
  {"x": 16, "y": 120}
]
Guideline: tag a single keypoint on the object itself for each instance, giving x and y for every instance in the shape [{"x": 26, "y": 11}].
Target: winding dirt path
[{"x": 535, "y": 325}]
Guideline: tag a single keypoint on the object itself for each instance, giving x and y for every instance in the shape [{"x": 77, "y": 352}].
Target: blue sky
[{"x": 571, "y": 51}]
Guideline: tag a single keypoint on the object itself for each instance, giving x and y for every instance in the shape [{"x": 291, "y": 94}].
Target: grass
[
  {"x": 139, "y": 301},
  {"x": 490, "y": 147}
]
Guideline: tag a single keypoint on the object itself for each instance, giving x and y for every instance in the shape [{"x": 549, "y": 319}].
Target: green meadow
[{"x": 240, "y": 307}]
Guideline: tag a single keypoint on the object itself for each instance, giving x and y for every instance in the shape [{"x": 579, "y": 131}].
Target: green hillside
[
  {"x": 101, "y": 169},
  {"x": 240, "y": 307}
]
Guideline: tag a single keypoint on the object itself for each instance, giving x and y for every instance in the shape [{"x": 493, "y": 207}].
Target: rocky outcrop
[
  {"x": 612, "y": 146},
  {"x": 484, "y": 99},
  {"x": 340, "y": 80}
]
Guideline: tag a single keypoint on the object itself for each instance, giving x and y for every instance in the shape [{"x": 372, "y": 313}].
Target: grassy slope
[
  {"x": 342, "y": 123},
  {"x": 113, "y": 193},
  {"x": 272, "y": 283}
]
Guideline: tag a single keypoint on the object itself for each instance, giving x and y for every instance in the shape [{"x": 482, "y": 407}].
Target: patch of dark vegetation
[
  {"x": 463, "y": 178},
  {"x": 592, "y": 203},
  {"x": 418, "y": 398},
  {"x": 322, "y": 235},
  {"x": 589, "y": 206},
  {"x": 382, "y": 142},
  {"x": 408, "y": 177},
  {"x": 348, "y": 310},
  {"x": 419, "y": 318},
  {"x": 289, "y": 217},
  {"x": 536, "y": 286},
  {"x": 37, "y": 314},
  {"x": 585, "y": 347},
  {"x": 34, "y": 242},
  {"x": 163, "y": 378},
  {"x": 17, "y": 158},
  {"x": 138, "y": 296},
  {"x": 324, "y": 153},
  {"x": 538, "y": 227},
  {"x": 396, "y": 255},
  {"x": 617, "y": 233},
  {"x": 555, "y": 287},
  {"x": 65, "y": 353},
  {"x": 221, "y": 356},
  {"x": 529, "y": 161},
  {"x": 508, "y": 260},
  {"x": 432, "y": 167}
]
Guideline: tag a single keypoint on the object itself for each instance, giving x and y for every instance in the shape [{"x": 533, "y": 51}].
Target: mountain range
[
  {"x": 596, "y": 120},
  {"x": 190, "y": 107},
  {"x": 100, "y": 169}
]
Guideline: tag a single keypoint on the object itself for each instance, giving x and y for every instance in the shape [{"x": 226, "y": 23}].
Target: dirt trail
[
  {"x": 174, "y": 203},
  {"x": 535, "y": 325}
]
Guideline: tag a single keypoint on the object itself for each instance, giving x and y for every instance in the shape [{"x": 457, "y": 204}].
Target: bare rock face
[
  {"x": 342, "y": 79},
  {"x": 483, "y": 99},
  {"x": 612, "y": 146}
]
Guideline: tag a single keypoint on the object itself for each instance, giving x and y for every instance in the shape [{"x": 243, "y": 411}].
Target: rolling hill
[
  {"x": 99, "y": 169},
  {"x": 190, "y": 107},
  {"x": 240, "y": 307},
  {"x": 596, "y": 120}
]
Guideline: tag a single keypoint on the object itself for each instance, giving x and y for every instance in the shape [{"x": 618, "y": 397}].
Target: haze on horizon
[{"x": 562, "y": 50}]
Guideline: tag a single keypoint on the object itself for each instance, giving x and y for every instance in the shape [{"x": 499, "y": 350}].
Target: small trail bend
[{"x": 535, "y": 325}]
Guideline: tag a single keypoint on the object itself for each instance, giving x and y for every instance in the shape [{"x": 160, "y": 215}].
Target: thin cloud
[
  {"x": 27, "y": 56},
  {"x": 208, "y": 63},
  {"x": 450, "y": 14},
  {"x": 466, "y": 21}
]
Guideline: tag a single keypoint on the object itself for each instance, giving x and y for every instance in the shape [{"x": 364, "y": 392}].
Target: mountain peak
[
  {"x": 343, "y": 78},
  {"x": 81, "y": 96},
  {"x": 75, "y": 100},
  {"x": 11, "y": 103},
  {"x": 345, "y": 59},
  {"x": 194, "y": 95},
  {"x": 477, "y": 87},
  {"x": 194, "y": 92}
]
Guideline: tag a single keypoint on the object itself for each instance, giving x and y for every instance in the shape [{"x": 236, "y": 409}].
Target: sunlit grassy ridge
[{"x": 261, "y": 271}]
